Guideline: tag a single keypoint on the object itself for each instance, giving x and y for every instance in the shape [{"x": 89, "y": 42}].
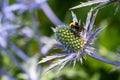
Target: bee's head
[{"x": 73, "y": 24}]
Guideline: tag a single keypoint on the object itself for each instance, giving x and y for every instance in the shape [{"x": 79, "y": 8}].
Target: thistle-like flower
[{"x": 76, "y": 40}]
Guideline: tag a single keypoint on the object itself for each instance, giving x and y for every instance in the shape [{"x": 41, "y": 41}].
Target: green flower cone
[{"x": 66, "y": 37}]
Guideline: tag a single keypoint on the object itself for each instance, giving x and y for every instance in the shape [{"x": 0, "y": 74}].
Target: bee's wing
[{"x": 74, "y": 17}]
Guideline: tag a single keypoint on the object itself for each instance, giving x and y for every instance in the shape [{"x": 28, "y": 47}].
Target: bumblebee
[{"x": 76, "y": 28}]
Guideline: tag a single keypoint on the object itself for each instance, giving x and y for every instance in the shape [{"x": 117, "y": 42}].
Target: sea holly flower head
[{"x": 76, "y": 41}]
